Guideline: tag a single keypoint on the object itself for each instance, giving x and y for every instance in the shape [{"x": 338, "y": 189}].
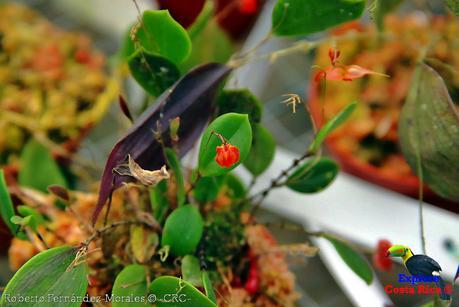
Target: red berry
[{"x": 252, "y": 285}]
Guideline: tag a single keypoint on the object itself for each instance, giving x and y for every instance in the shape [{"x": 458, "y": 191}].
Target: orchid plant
[{"x": 179, "y": 243}]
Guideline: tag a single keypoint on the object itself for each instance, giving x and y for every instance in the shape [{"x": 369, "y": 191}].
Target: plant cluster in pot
[
  {"x": 54, "y": 88},
  {"x": 368, "y": 145},
  {"x": 164, "y": 234}
]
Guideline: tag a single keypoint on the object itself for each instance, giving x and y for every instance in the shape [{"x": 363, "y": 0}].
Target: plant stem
[
  {"x": 292, "y": 227},
  {"x": 276, "y": 182},
  {"x": 421, "y": 205},
  {"x": 99, "y": 232}
]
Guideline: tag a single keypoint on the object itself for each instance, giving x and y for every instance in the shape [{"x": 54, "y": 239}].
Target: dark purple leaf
[
  {"x": 192, "y": 99},
  {"x": 124, "y": 108}
]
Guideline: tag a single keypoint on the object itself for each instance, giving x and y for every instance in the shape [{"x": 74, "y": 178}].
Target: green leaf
[
  {"x": 154, "y": 73},
  {"x": 236, "y": 188},
  {"x": 36, "y": 218},
  {"x": 127, "y": 46},
  {"x": 299, "y": 17},
  {"x": 160, "y": 34},
  {"x": 235, "y": 128},
  {"x": 313, "y": 176},
  {"x": 17, "y": 220},
  {"x": 159, "y": 201},
  {"x": 331, "y": 125},
  {"x": 201, "y": 22},
  {"x": 429, "y": 130},
  {"x": 210, "y": 44},
  {"x": 354, "y": 260},
  {"x": 6, "y": 205},
  {"x": 187, "y": 295},
  {"x": 130, "y": 282},
  {"x": 52, "y": 275},
  {"x": 143, "y": 243},
  {"x": 207, "y": 188},
  {"x": 453, "y": 6},
  {"x": 183, "y": 230},
  {"x": 191, "y": 270},
  {"x": 240, "y": 101},
  {"x": 208, "y": 287},
  {"x": 262, "y": 152},
  {"x": 174, "y": 164},
  {"x": 38, "y": 168}
]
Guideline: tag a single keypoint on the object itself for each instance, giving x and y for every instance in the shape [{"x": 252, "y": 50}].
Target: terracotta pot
[{"x": 407, "y": 185}]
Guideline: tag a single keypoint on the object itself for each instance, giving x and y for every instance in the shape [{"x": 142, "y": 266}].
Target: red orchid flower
[
  {"x": 248, "y": 6},
  {"x": 227, "y": 154},
  {"x": 380, "y": 260},
  {"x": 338, "y": 72}
]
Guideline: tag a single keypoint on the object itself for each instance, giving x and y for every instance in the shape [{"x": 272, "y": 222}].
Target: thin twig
[
  {"x": 99, "y": 232},
  {"x": 275, "y": 183}
]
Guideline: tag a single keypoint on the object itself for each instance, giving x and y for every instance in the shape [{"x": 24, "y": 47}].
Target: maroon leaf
[
  {"x": 192, "y": 99},
  {"x": 60, "y": 192},
  {"x": 125, "y": 109}
]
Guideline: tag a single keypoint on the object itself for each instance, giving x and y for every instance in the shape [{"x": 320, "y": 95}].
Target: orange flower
[
  {"x": 339, "y": 72},
  {"x": 227, "y": 155}
]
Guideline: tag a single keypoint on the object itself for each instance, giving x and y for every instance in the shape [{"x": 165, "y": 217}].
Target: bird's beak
[{"x": 396, "y": 251}]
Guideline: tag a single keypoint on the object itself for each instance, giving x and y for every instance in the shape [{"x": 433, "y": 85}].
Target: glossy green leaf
[
  {"x": 299, "y": 17},
  {"x": 51, "y": 275},
  {"x": 313, "y": 176},
  {"x": 331, "y": 125},
  {"x": 183, "y": 230},
  {"x": 240, "y": 101},
  {"x": 160, "y": 34},
  {"x": 36, "y": 218},
  {"x": 187, "y": 295},
  {"x": 159, "y": 201},
  {"x": 6, "y": 205},
  {"x": 207, "y": 188},
  {"x": 208, "y": 287},
  {"x": 21, "y": 221},
  {"x": 235, "y": 128},
  {"x": 127, "y": 45},
  {"x": 235, "y": 187},
  {"x": 262, "y": 152},
  {"x": 453, "y": 5},
  {"x": 354, "y": 260},
  {"x": 174, "y": 164},
  {"x": 429, "y": 132},
  {"x": 130, "y": 284},
  {"x": 38, "y": 168},
  {"x": 191, "y": 270},
  {"x": 154, "y": 73},
  {"x": 210, "y": 44}
]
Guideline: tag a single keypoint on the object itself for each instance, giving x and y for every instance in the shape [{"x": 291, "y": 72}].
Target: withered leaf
[
  {"x": 192, "y": 99},
  {"x": 145, "y": 177},
  {"x": 59, "y": 191},
  {"x": 429, "y": 132}
]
